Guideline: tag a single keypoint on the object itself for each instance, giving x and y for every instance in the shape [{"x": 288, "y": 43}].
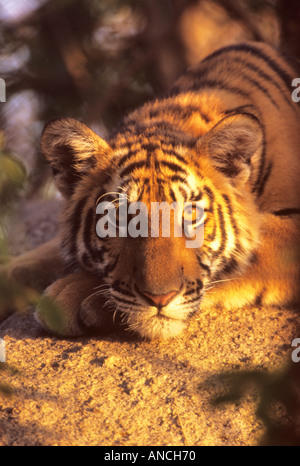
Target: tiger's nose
[{"x": 162, "y": 299}]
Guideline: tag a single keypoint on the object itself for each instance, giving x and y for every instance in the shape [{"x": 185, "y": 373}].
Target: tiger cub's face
[{"x": 157, "y": 280}]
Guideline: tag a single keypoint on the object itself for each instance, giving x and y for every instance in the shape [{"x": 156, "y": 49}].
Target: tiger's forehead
[{"x": 154, "y": 170}]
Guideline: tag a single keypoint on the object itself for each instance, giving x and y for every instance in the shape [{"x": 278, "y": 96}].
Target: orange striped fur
[{"x": 227, "y": 133}]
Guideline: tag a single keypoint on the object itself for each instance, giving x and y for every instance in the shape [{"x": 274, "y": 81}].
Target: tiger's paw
[
  {"x": 71, "y": 307},
  {"x": 94, "y": 313}
]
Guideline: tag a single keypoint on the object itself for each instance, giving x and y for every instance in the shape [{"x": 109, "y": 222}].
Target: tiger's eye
[{"x": 193, "y": 213}]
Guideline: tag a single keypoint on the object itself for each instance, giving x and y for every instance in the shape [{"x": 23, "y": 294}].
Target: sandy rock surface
[{"x": 118, "y": 390}]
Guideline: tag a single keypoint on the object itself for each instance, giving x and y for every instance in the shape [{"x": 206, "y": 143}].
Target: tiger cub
[{"x": 225, "y": 137}]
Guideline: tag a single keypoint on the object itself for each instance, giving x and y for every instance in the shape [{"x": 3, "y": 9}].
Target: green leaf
[{"x": 51, "y": 313}]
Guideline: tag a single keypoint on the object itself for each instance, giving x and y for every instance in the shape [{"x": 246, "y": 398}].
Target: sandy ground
[{"x": 116, "y": 390}]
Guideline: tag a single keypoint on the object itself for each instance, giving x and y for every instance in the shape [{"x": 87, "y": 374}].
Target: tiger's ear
[
  {"x": 235, "y": 145},
  {"x": 72, "y": 149}
]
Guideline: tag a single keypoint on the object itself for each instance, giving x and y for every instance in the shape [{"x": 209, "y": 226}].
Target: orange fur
[{"x": 227, "y": 133}]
